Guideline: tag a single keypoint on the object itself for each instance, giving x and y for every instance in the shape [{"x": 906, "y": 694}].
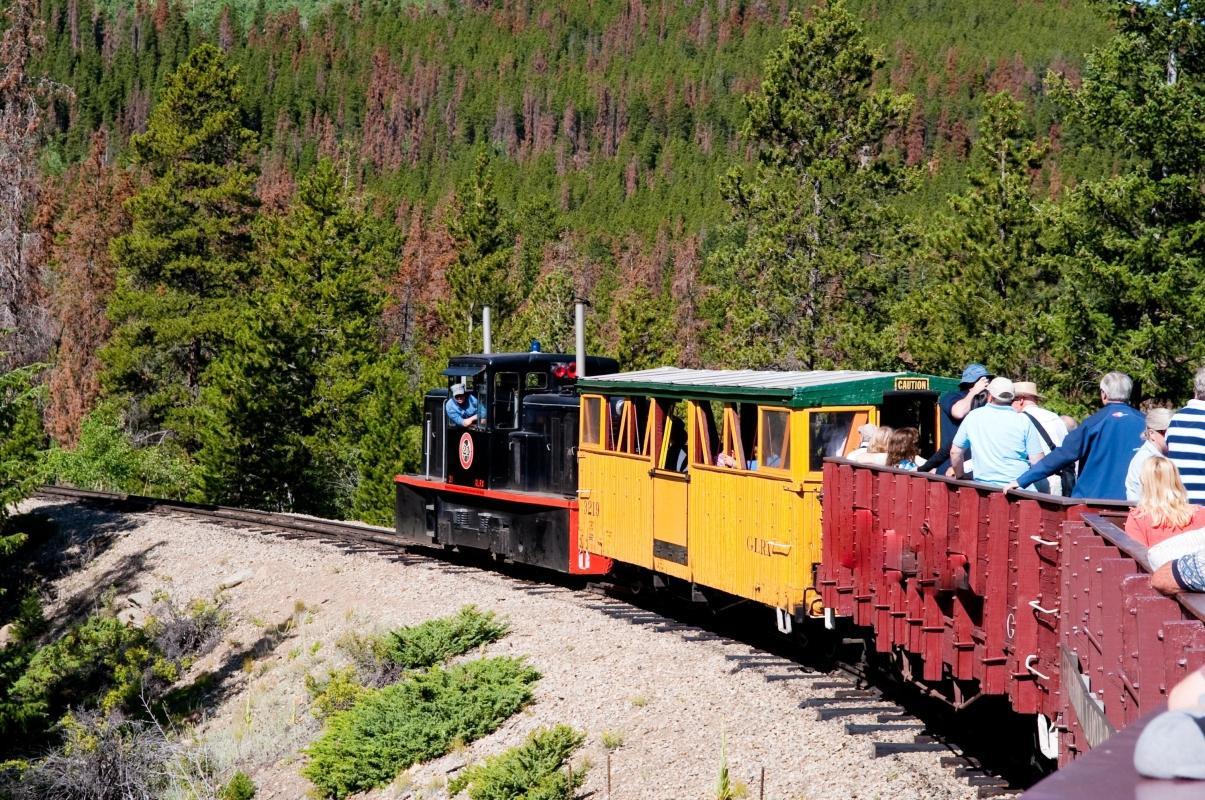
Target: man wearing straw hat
[{"x": 1050, "y": 427}]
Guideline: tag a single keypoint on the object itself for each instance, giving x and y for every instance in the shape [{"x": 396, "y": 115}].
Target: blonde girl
[{"x": 1163, "y": 509}]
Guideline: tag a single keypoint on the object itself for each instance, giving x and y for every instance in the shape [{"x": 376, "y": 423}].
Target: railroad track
[{"x": 852, "y": 690}]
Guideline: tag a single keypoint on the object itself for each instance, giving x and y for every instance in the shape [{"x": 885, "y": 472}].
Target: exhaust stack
[{"x": 579, "y": 335}]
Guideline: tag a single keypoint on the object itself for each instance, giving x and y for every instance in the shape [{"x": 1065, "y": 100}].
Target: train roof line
[{"x": 796, "y": 389}]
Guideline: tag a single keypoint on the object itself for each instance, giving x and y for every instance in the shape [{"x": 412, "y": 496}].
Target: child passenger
[{"x": 903, "y": 449}]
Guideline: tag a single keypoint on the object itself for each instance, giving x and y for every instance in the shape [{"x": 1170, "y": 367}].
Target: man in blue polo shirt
[{"x": 1006, "y": 443}]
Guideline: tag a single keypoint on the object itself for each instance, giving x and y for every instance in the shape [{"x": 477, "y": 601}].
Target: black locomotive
[{"x": 506, "y": 486}]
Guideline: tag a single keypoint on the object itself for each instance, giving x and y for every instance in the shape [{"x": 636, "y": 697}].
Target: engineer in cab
[{"x": 463, "y": 409}]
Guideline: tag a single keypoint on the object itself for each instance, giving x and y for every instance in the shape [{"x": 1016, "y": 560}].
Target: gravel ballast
[{"x": 666, "y": 702}]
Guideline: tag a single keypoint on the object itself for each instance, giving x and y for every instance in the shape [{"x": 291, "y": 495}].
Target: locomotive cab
[
  {"x": 519, "y": 395},
  {"x": 506, "y": 484}
]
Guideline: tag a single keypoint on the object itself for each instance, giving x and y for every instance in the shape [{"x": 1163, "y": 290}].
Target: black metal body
[{"x": 528, "y": 445}]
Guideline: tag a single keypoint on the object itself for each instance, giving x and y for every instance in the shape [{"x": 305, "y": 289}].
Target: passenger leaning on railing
[
  {"x": 1103, "y": 445},
  {"x": 1183, "y": 574},
  {"x": 1004, "y": 442}
]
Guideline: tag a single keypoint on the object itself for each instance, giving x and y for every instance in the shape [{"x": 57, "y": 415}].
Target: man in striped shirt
[{"x": 1186, "y": 441}]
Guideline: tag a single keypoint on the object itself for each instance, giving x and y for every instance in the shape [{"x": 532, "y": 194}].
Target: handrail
[
  {"x": 1029, "y": 494},
  {"x": 1193, "y": 602}
]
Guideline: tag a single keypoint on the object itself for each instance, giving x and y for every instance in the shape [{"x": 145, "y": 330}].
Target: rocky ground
[{"x": 661, "y": 703}]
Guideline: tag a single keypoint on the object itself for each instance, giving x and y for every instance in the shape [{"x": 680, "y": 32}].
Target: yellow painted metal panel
[
  {"x": 616, "y": 507},
  {"x": 669, "y": 523},
  {"x": 749, "y": 536}
]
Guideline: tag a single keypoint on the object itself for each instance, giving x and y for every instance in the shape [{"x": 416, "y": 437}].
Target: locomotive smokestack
[
  {"x": 579, "y": 336},
  {"x": 485, "y": 329}
]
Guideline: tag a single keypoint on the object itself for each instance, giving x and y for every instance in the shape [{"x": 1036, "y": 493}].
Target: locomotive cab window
[
  {"x": 506, "y": 401},
  {"x": 774, "y": 446},
  {"x": 536, "y": 381}
]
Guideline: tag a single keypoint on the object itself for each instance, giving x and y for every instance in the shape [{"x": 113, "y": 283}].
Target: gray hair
[
  {"x": 1198, "y": 384},
  {"x": 1116, "y": 387}
]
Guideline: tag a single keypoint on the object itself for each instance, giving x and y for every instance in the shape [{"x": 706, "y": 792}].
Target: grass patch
[
  {"x": 389, "y": 729},
  {"x": 535, "y": 770},
  {"x": 612, "y": 740}
]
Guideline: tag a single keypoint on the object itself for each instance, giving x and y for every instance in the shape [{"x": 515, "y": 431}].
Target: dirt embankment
[{"x": 662, "y": 703}]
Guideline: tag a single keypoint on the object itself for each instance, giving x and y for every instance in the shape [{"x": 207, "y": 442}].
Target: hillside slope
[{"x": 621, "y": 114}]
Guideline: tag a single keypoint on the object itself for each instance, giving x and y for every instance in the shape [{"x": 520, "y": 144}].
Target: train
[{"x": 732, "y": 487}]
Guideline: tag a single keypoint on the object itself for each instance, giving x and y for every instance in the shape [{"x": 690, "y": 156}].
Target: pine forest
[{"x": 238, "y": 241}]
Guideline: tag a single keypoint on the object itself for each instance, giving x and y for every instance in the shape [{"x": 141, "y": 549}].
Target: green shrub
[
  {"x": 100, "y": 661},
  {"x": 338, "y": 692},
  {"x": 535, "y": 770},
  {"x": 382, "y": 660},
  {"x": 106, "y": 459},
  {"x": 240, "y": 787},
  {"x": 389, "y": 729},
  {"x": 437, "y": 640}
]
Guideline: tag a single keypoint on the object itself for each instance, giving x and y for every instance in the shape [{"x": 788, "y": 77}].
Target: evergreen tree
[
  {"x": 481, "y": 274},
  {"x": 282, "y": 402},
  {"x": 1131, "y": 248},
  {"x": 21, "y": 441},
  {"x": 977, "y": 288},
  {"x": 546, "y": 316},
  {"x": 184, "y": 268},
  {"x": 647, "y": 326},
  {"x": 391, "y": 440},
  {"x": 798, "y": 284}
]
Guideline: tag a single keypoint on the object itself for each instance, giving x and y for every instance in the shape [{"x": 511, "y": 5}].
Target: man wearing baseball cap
[
  {"x": 463, "y": 409},
  {"x": 1005, "y": 442},
  {"x": 955, "y": 405}
]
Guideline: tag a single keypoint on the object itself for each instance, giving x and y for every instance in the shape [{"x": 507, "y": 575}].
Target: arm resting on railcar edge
[
  {"x": 1183, "y": 574},
  {"x": 1070, "y": 451}
]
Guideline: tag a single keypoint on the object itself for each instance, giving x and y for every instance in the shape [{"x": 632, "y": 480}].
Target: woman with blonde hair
[
  {"x": 1163, "y": 509},
  {"x": 877, "y": 452}
]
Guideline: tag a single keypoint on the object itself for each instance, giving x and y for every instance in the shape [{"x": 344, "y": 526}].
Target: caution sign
[{"x": 912, "y": 384}]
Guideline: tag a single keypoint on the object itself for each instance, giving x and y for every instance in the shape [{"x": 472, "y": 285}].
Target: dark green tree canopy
[
  {"x": 977, "y": 288},
  {"x": 1131, "y": 249},
  {"x": 184, "y": 267},
  {"x": 797, "y": 283}
]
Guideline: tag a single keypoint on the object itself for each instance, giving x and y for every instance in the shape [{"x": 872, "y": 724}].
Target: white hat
[
  {"x": 457, "y": 389},
  {"x": 1001, "y": 389}
]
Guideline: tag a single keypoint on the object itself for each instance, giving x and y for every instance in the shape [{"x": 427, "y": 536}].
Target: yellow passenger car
[{"x": 712, "y": 477}]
